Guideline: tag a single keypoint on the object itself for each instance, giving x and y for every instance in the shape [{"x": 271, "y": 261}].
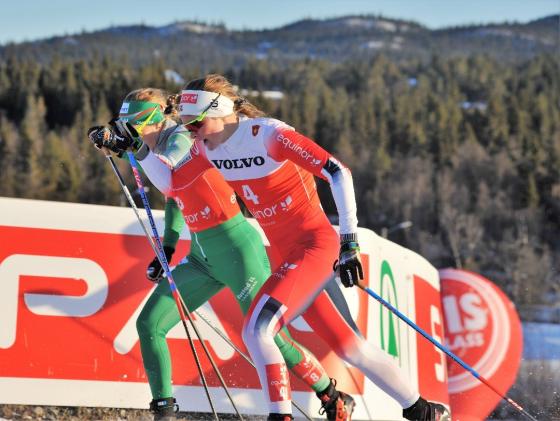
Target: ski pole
[
  {"x": 172, "y": 285},
  {"x": 173, "y": 290},
  {"x": 444, "y": 349}
]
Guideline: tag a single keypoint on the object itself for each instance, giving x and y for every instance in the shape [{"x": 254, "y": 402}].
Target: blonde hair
[
  {"x": 159, "y": 96},
  {"x": 220, "y": 85}
]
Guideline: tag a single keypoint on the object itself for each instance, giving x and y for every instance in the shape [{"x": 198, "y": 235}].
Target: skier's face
[{"x": 207, "y": 128}]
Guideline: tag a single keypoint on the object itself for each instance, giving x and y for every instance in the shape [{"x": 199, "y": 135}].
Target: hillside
[{"x": 195, "y": 44}]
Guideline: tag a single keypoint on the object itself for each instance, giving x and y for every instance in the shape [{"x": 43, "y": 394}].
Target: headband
[
  {"x": 197, "y": 102},
  {"x": 136, "y": 112}
]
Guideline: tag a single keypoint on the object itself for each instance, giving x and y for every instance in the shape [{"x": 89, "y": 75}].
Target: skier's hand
[
  {"x": 98, "y": 135},
  {"x": 349, "y": 263},
  {"x": 125, "y": 137},
  {"x": 155, "y": 272},
  {"x": 103, "y": 137}
]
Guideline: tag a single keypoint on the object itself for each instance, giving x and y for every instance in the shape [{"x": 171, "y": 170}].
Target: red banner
[
  {"x": 483, "y": 329},
  {"x": 72, "y": 283}
]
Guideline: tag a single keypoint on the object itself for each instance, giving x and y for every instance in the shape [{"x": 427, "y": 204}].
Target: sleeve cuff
[
  {"x": 142, "y": 152},
  {"x": 349, "y": 237}
]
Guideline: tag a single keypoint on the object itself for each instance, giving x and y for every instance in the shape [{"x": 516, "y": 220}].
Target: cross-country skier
[
  {"x": 271, "y": 167},
  {"x": 226, "y": 250}
]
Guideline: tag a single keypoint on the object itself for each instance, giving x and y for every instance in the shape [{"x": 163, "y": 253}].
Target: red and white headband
[{"x": 197, "y": 102}]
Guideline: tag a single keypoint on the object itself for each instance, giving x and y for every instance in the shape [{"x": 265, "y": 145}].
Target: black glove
[
  {"x": 349, "y": 263},
  {"x": 98, "y": 134},
  {"x": 125, "y": 137},
  {"x": 103, "y": 137},
  {"x": 155, "y": 272}
]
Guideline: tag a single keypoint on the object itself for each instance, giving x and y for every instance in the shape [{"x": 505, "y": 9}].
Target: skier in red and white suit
[{"x": 272, "y": 168}]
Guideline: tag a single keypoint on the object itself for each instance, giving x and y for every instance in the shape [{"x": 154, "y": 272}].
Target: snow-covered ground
[{"x": 541, "y": 341}]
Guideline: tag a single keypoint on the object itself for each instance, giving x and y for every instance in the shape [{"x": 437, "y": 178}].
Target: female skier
[
  {"x": 226, "y": 250},
  {"x": 271, "y": 167},
  {"x": 161, "y": 134}
]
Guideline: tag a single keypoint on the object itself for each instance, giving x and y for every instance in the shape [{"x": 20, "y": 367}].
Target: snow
[
  {"x": 196, "y": 28},
  {"x": 541, "y": 341},
  {"x": 172, "y": 76},
  {"x": 272, "y": 95},
  {"x": 380, "y": 24}
]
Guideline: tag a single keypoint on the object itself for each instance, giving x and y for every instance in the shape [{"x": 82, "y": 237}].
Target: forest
[{"x": 466, "y": 148}]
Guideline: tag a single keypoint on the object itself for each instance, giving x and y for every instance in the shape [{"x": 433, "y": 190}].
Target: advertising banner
[
  {"x": 72, "y": 283},
  {"x": 483, "y": 329}
]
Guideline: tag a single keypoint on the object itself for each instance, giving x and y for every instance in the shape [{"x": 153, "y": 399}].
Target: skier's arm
[
  {"x": 156, "y": 170},
  {"x": 177, "y": 147},
  {"x": 174, "y": 224},
  {"x": 289, "y": 144}
]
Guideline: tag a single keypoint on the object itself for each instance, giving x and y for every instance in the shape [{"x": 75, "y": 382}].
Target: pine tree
[{"x": 28, "y": 151}]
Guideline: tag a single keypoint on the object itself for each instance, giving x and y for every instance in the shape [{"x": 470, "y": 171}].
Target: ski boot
[
  {"x": 423, "y": 410},
  {"x": 164, "y": 409},
  {"x": 279, "y": 417},
  {"x": 338, "y": 406}
]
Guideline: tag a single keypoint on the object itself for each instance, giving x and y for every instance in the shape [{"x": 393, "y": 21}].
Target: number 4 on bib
[{"x": 249, "y": 195}]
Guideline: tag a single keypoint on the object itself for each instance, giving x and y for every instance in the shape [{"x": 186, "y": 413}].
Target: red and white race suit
[
  {"x": 200, "y": 191},
  {"x": 272, "y": 168}
]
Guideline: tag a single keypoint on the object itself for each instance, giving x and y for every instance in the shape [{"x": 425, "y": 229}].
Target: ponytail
[{"x": 171, "y": 105}]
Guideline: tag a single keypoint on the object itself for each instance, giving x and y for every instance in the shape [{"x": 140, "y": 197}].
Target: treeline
[
  {"x": 467, "y": 149},
  {"x": 335, "y": 39}
]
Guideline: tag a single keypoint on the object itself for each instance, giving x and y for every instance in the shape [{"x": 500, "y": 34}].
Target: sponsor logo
[
  {"x": 230, "y": 164},
  {"x": 432, "y": 367},
  {"x": 290, "y": 144},
  {"x": 205, "y": 213},
  {"x": 283, "y": 269},
  {"x": 476, "y": 321},
  {"x": 108, "y": 353},
  {"x": 271, "y": 211},
  {"x": 192, "y": 218},
  {"x": 278, "y": 389},
  {"x": 246, "y": 290},
  {"x": 124, "y": 108},
  {"x": 483, "y": 328},
  {"x": 285, "y": 205},
  {"x": 189, "y": 98},
  {"x": 179, "y": 202},
  {"x": 390, "y": 327},
  {"x": 255, "y": 129},
  {"x": 77, "y": 270}
]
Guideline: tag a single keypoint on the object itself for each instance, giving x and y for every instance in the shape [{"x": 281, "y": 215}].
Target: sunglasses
[
  {"x": 140, "y": 127},
  {"x": 198, "y": 122}
]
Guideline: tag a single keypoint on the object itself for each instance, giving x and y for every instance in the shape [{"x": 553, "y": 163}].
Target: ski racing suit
[
  {"x": 272, "y": 168},
  {"x": 226, "y": 251}
]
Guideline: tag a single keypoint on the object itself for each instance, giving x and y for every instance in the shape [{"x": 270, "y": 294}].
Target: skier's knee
[
  {"x": 254, "y": 328},
  {"x": 144, "y": 325},
  {"x": 260, "y": 327}
]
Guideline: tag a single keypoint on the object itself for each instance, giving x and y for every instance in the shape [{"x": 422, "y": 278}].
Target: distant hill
[{"x": 196, "y": 44}]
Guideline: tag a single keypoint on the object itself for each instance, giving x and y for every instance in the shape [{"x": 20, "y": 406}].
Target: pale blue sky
[{"x": 33, "y": 19}]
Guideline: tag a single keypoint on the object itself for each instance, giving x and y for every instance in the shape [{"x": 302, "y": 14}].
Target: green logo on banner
[{"x": 390, "y": 327}]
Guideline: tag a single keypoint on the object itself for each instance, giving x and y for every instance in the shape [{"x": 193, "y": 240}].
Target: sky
[{"x": 26, "y": 20}]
